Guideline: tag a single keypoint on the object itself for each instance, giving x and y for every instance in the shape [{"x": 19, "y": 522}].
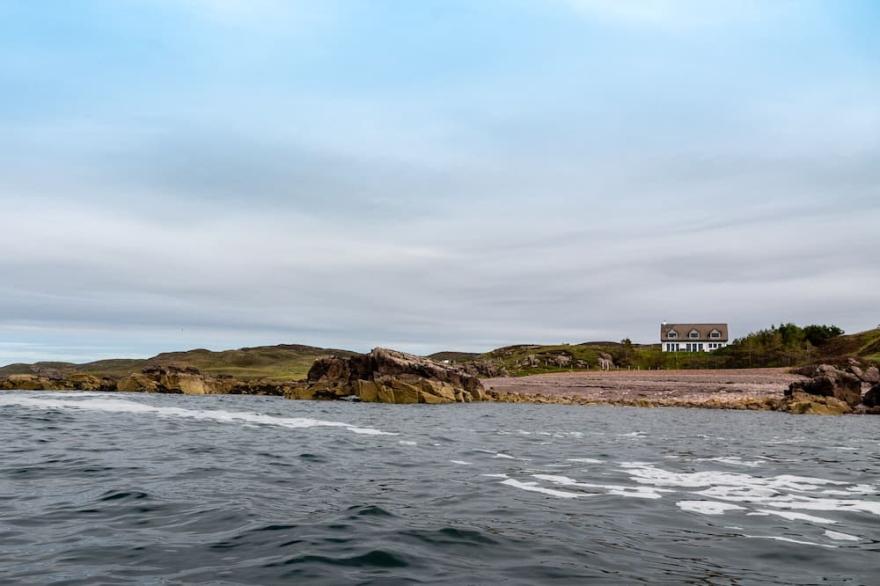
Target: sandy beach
[{"x": 734, "y": 388}]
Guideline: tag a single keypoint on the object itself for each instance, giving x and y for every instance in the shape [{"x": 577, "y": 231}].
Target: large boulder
[
  {"x": 171, "y": 379},
  {"x": 485, "y": 368},
  {"x": 388, "y": 376},
  {"x": 872, "y": 397},
  {"x": 26, "y": 382},
  {"x": 807, "y": 404},
  {"x": 86, "y": 382},
  {"x": 871, "y": 375},
  {"x": 828, "y": 381}
]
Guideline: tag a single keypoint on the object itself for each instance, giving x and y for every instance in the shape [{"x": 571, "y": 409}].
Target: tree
[{"x": 819, "y": 334}]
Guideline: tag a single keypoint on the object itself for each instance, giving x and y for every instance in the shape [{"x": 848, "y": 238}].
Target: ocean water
[{"x": 152, "y": 489}]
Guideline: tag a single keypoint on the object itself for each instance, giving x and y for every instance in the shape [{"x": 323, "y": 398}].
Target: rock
[
  {"x": 871, "y": 375},
  {"x": 173, "y": 380},
  {"x": 828, "y": 381},
  {"x": 137, "y": 383},
  {"x": 26, "y": 382},
  {"x": 388, "y": 376},
  {"x": 231, "y": 386},
  {"x": 485, "y": 368},
  {"x": 808, "y": 404},
  {"x": 872, "y": 397},
  {"x": 87, "y": 382}
]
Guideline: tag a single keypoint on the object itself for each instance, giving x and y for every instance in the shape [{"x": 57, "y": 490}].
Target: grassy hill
[
  {"x": 864, "y": 345},
  {"x": 292, "y": 362},
  {"x": 453, "y": 356},
  {"x": 282, "y": 362},
  {"x": 757, "y": 350}
]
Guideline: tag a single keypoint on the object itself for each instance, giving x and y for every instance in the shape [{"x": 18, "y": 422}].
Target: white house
[{"x": 692, "y": 337}]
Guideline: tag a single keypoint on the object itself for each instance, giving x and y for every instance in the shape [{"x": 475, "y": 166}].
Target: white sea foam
[
  {"x": 461, "y": 462},
  {"x": 780, "y": 492},
  {"x": 585, "y": 460},
  {"x": 791, "y": 516},
  {"x": 618, "y": 490},
  {"x": 790, "y": 540},
  {"x": 505, "y": 456},
  {"x": 113, "y": 405},
  {"x": 840, "y": 536},
  {"x": 733, "y": 461},
  {"x": 534, "y": 487},
  {"x": 407, "y": 443},
  {"x": 707, "y": 507}
]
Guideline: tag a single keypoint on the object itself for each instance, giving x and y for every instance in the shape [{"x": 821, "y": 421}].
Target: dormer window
[
  {"x": 694, "y": 335},
  {"x": 672, "y": 334},
  {"x": 715, "y": 334}
]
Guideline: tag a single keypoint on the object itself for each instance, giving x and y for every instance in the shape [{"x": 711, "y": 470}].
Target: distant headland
[{"x": 812, "y": 369}]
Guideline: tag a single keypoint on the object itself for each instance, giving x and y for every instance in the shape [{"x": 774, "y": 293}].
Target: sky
[{"x": 431, "y": 175}]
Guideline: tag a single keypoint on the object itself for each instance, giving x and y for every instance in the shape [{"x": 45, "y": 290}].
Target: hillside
[
  {"x": 525, "y": 359},
  {"x": 292, "y": 362},
  {"x": 863, "y": 345},
  {"x": 453, "y": 356},
  {"x": 282, "y": 362}
]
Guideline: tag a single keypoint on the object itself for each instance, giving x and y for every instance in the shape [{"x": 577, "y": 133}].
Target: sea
[{"x": 106, "y": 488}]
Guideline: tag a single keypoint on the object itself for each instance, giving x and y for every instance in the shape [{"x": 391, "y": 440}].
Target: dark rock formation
[
  {"x": 871, "y": 375},
  {"x": 169, "y": 379},
  {"x": 830, "y": 390},
  {"x": 388, "y": 376},
  {"x": 70, "y": 382},
  {"x": 485, "y": 368},
  {"x": 26, "y": 382},
  {"x": 190, "y": 381},
  {"x": 560, "y": 359},
  {"x": 872, "y": 397}
]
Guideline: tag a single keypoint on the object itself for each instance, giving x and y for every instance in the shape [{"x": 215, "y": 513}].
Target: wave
[{"x": 113, "y": 405}]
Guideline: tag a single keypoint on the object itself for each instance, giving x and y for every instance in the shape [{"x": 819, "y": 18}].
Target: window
[
  {"x": 672, "y": 334},
  {"x": 715, "y": 334},
  {"x": 694, "y": 335}
]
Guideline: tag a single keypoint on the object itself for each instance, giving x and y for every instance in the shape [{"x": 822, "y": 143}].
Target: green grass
[
  {"x": 292, "y": 362},
  {"x": 283, "y": 362}
]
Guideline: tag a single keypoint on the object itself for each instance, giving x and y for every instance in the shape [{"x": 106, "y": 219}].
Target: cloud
[{"x": 340, "y": 188}]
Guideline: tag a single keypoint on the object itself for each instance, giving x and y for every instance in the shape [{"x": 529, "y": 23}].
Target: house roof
[{"x": 683, "y": 331}]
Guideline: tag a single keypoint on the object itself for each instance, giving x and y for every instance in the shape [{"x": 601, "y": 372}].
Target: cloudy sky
[{"x": 440, "y": 174}]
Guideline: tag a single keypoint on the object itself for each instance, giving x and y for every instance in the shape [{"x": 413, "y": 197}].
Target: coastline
[{"x": 750, "y": 389}]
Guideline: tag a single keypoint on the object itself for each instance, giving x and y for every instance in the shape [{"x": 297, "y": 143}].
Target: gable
[{"x": 708, "y": 332}]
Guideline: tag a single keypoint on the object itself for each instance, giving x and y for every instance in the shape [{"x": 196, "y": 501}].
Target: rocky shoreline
[{"x": 389, "y": 376}]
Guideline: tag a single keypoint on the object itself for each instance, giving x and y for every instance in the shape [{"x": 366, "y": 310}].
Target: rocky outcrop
[
  {"x": 828, "y": 381},
  {"x": 69, "y": 382},
  {"x": 871, "y": 400},
  {"x": 26, "y": 382},
  {"x": 871, "y": 375},
  {"x": 563, "y": 359},
  {"x": 832, "y": 390},
  {"x": 170, "y": 379},
  {"x": 807, "y": 404},
  {"x": 485, "y": 368},
  {"x": 388, "y": 376},
  {"x": 190, "y": 381}
]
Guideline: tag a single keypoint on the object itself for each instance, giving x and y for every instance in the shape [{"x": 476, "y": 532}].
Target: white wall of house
[{"x": 685, "y": 345}]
